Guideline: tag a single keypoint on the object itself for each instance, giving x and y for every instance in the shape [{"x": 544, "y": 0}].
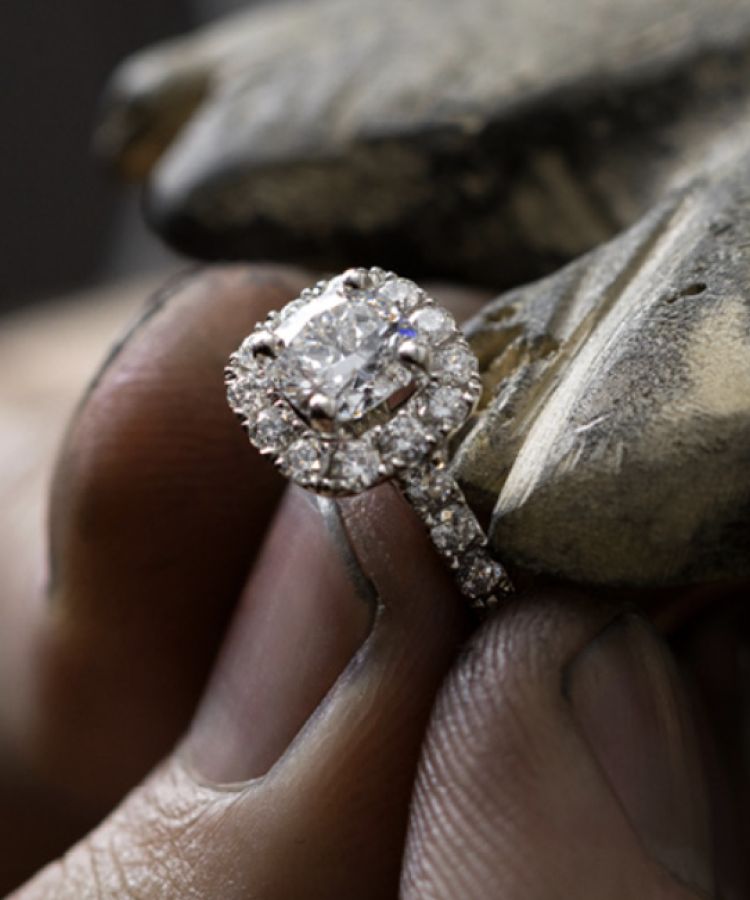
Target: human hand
[{"x": 353, "y": 736}]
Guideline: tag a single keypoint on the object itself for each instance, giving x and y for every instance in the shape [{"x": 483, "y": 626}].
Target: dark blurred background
[{"x": 64, "y": 223}]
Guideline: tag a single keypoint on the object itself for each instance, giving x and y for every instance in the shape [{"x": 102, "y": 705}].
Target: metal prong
[
  {"x": 322, "y": 410},
  {"x": 355, "y": 278},
  {"x": 414, "y": 352},
  {"x": 265, "y": 343}
]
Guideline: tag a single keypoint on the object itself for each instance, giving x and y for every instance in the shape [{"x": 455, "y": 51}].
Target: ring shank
[{"x": 456, "y": 533}]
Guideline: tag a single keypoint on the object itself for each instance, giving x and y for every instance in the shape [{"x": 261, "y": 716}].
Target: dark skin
[{"x": 374, "y": 737}]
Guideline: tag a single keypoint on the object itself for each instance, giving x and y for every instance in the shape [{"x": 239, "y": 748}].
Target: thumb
[
  {"x": 295, "y": 778},
  {"x": 561, "y": 761}
]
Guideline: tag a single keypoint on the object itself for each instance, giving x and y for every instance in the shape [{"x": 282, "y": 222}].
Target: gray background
[{"x": 64, "y": 224}]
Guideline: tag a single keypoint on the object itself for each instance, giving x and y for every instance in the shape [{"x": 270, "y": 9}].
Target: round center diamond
[{"x": 345, "y": 347}]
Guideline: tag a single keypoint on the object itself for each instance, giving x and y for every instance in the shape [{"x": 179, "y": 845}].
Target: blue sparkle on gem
[{"x": 407, "y": 331}]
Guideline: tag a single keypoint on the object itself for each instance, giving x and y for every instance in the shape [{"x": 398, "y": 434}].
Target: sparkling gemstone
[
  {"x": 404, "y": 441},
  {"x": 245, "y": 397},
  {"x": 237, "y": 391},
  {"x": 306, "y": 457},
  {"x": 404, "y": 293},
  {"x": 457, "y": 529},
  {"x": 458, "y": 362},
  {"x": 433, "y": 323},
  {"x": 480, "y": 575},
  {"x": 343, "y": 344},
  {"x": 447, "y": 407},
  {"x": 272, "y": 429},
  {"x": 355, "y": 464},
  {"x": 433, "y": 488}
]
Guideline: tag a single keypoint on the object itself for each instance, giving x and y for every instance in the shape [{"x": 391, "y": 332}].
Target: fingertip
[{"x": 536, "y": 734}]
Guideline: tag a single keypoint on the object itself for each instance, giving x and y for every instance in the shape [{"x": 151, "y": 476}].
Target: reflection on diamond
[
  {"x": 272, "y": 429},
  {"x": 345, "y": 347},
  {"x": 306, "y": 457},
  {"x": 458, "y": 362},
  {"x": 237, "y": 394},
  {"x": 447, "y": 407},
  {"x": 404, "y": 441},
  {"x": 355, "y": 465},
  {"x": 404, "y": 293},
  {"x": 432, "y": 489},
  {"x": 433, "y": 323},
  {"x": 456, "y": 530},
  {"x": 480, "y": 575}
]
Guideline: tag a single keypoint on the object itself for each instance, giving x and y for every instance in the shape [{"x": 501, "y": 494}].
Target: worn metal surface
[
  {"x": 615, "y": 442},
  {"x": 484, "y": 140}
]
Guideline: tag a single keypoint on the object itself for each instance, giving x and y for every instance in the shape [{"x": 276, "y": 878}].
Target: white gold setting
[{"x": 361, "y": 379}]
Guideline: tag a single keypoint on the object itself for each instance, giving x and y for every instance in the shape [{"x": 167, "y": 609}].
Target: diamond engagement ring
[{"x": 364, "y": 378}]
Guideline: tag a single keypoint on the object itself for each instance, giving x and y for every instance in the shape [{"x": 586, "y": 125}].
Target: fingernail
[
  {"x": 627, "y": 696},
  {"x": 301, "y": 619}
]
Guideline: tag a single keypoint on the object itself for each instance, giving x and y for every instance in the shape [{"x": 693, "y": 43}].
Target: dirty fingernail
[
  {"x": 301, "y": 618},
  {"x": 631, "y": 706}
]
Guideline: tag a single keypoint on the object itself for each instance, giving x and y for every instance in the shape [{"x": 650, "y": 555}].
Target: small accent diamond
[
  {"x": 237, "y": 394},
  {"x": 447, "y": 407},
  {"x": 434, "y": 323},
  {"x": 458, "y": 362},
  {"x": 404, "y": 441},
  {"x": 355, "y": 465},
  {"x": 404, "y": 293},
  {"x": 480, "y": 575},
  {"x": 272, "y": 429},
  {"x": 306, "y": 457},
  {"x": 432, "y": 489},
  {"x": 249, "y": 401},
  {"x": 456, "y": 530}
]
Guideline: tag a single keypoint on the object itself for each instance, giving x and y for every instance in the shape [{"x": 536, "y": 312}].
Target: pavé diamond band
[{"x": 361, "y": 379}]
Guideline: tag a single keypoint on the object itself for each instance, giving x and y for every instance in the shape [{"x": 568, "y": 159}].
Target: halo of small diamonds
[{"x": 359, "y": 378}]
